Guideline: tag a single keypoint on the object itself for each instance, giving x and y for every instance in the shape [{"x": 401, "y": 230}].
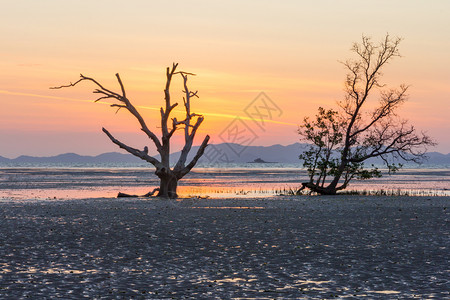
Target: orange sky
[{"x": 289, "y": 50}]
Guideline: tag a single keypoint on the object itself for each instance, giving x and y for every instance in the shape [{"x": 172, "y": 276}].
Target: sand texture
[{"x": 284, "y": 248}]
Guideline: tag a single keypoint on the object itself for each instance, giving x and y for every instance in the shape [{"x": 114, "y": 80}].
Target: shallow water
[{"x": 79, "y": 183}]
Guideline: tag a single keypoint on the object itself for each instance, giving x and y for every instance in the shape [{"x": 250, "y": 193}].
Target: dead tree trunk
[
  {"x": 168, "y": 184},
  {"x": 168, "y": 177}
]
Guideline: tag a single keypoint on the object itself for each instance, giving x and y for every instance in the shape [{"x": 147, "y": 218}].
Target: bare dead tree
[
  {"x": 190, "y": 124},
  {"x": 340, "y": 141}
]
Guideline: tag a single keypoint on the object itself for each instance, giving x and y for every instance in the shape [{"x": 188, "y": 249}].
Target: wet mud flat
[{"x": 283, "y": 248}]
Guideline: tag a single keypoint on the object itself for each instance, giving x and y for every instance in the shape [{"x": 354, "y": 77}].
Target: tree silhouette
[
  {"x": 168, "y": 177},
  {"x": 340, "y": 141}
]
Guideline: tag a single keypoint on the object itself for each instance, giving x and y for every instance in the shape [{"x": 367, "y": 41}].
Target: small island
[{"x": 261, "y": 161}]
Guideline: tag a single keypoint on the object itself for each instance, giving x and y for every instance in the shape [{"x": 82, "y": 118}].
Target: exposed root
[{"x": 149, "y": 194}]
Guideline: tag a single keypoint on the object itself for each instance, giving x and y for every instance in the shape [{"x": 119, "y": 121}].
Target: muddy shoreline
[{"x": 282, "y": 247}]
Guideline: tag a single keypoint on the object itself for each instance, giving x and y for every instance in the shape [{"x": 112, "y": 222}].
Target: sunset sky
[{"x": 290, "y": 50}]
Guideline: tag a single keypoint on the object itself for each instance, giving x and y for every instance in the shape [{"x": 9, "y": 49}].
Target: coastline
[
  {"x": 81, "y": 183},
  {"x": 285, "y": 247}
]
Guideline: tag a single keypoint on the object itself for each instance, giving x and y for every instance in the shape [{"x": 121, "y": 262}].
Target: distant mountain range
[
  {"x": 109, "y": 157},
  {"x": 215, "y": 153}
]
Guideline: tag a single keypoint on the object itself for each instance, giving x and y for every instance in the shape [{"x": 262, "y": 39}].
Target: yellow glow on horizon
[{"x": 204, "y": 113}]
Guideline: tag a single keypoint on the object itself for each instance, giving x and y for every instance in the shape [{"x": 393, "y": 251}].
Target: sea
[{"x": 40, "y": 181}]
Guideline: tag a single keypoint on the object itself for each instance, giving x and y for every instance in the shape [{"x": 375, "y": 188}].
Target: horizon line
[{"x": 126, "y": 153}]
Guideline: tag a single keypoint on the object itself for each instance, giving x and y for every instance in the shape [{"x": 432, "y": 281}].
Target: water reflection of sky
[{"x": 77, "y": 183}]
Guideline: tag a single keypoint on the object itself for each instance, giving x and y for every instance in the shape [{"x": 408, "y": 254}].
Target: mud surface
[{"x": 286, "y": 248}]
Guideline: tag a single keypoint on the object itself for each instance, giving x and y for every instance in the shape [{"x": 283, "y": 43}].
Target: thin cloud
[
  {"x": 29, "y": 65},
  {"x": 217, "y": 115}
]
